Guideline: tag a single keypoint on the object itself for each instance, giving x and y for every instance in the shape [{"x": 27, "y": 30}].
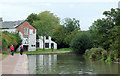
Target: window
[
  {"x": 26, "y": 31},
  {"x": 26, "y": 40},
  {"x": 37, "y": 44},
  {"x": 31, "y": 31},
  {"x": 46, "y": 37},
  {"x": 46, "y": 45},
  {"x": 32, "y": 45}
]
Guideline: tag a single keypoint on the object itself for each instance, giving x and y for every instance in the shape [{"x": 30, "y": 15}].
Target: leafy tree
[
  {"x": 9, "y": 39},
  {"x": 69, "y": 37},
  {"x": 103, "y": 30},
  {"x": 59, "y": 35},
  {"x": 71, "y": 24},
  {"x": 45, "y": 22},
  {"x": 81, "y": 42},
  {"x": 115, "y": 39},
  {"x": 32, "y": 17}
]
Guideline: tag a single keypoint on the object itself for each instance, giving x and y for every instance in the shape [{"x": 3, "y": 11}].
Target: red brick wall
[{"x": 21, "y": 27}]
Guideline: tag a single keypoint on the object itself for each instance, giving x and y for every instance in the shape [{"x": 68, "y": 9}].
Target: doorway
[
  {"x": 25, "y": 47},
  {"x": 37, "y": 44},
  {"x": 52, "y": 45}
]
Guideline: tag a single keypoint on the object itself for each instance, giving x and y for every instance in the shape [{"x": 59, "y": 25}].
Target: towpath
[{"x": 17, "y": 64}]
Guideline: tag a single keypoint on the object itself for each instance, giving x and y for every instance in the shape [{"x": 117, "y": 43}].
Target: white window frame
[
  {"x": 31, "y": 31},
  {"x": 25, "y": 31}
]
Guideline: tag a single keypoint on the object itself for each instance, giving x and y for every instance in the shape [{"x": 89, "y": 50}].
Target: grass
[
  {"x": 41, "y": 51},
  {"x": 62, "y": 49},
  {"x": 6, "y": 53}
]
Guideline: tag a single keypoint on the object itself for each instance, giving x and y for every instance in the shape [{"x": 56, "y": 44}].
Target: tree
[
  {"x": 59, "y": 35},
  {"x": 32, "y": 17},
  {"x": 9, "y": 39},
  {"x": 115, "y": 39},
  {"x": 69, "y": 37},
  {"x": 45, "y": 22},
  {"x": 71, "y": 24},
  {"x": 105, "y": 30},
  {"x": 81, "y": 42}
]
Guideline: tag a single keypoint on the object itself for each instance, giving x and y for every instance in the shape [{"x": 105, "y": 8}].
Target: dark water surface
[{"x": 68, "y": 64}]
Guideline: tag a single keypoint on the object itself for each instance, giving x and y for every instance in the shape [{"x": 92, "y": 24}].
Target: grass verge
[{"x": 41, "y": 51}]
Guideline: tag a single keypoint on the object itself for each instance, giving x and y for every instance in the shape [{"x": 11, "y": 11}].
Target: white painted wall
[
  {"x": 32, "y": 41},
  {"x": 40, "y": 40}
]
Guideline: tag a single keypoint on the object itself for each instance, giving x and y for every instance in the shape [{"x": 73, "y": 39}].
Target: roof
[
  {"x": 10, "y": 24},
  {"x": 23, "y": 22}
]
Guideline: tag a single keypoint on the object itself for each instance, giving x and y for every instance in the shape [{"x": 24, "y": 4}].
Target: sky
[{"x": 86, "y": 11}]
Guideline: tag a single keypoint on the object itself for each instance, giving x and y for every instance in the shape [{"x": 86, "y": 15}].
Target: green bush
[
  {"x": 104, "y": 55},
  {"x": 101, "y": 54},
  {"x": 108, "y": 59},
  {"x": 87, "y": 52},
  {"x": 113, "y": 55},
  {"x": 9, "y": 39},
  {"x": 81, "y": 42},
  {"x": 94, "y": 53}
]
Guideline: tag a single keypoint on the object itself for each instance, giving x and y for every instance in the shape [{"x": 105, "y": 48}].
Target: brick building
[
  {"x": 26, "y": 31},
  {"x": 28, "y": 35}
]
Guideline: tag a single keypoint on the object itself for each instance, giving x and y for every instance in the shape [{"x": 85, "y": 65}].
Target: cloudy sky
[{"x": 84, "y": 10}]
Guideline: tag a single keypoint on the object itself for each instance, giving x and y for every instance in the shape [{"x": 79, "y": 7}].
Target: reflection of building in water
[
  {"x": 32, "y": 64},
  {"x": 42, "y": 64}
]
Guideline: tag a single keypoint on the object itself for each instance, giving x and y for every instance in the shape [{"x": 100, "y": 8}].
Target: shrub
[
  {"x": 80, "y": 43},
  {"x": 94, "y": 53},
  {"x": 101, "y": 54},
  {"x": 104, "y": 55},
  {"x": 9, "y": 39},
  {"x": 113, "y": 55},
  {"x": 108, "y": 59}
]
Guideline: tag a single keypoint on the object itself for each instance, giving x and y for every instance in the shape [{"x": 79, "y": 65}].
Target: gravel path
[{"x": 16, "y": 64}]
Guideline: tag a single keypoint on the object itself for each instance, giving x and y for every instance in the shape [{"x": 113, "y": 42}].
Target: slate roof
[{"x": 10, "y": 24}]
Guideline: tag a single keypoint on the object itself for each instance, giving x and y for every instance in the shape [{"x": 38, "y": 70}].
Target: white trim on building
[{"x": 48, "y": 43}]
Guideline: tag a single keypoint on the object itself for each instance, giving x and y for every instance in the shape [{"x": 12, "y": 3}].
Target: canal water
[{"x": 68, "y": 64}]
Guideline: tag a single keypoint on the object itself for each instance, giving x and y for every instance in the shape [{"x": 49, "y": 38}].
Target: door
[
  {"x": 37, "y": 44},
  {"x": 52, "y": 45},
  {"x": 25, "y": 47}
]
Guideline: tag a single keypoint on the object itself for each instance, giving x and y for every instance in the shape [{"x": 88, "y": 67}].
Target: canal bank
[{"x": 16, "y": 64}]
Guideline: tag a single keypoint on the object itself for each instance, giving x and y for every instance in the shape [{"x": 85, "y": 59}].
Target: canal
[{"x": 68, "y": 64}]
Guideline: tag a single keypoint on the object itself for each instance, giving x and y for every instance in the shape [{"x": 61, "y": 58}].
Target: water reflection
[
  {"x": 68, "y": 64},
  {"x": 41, "y": 64}
]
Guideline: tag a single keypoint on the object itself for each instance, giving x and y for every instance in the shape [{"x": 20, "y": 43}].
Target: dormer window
[{"x": 26, "y": 31}]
